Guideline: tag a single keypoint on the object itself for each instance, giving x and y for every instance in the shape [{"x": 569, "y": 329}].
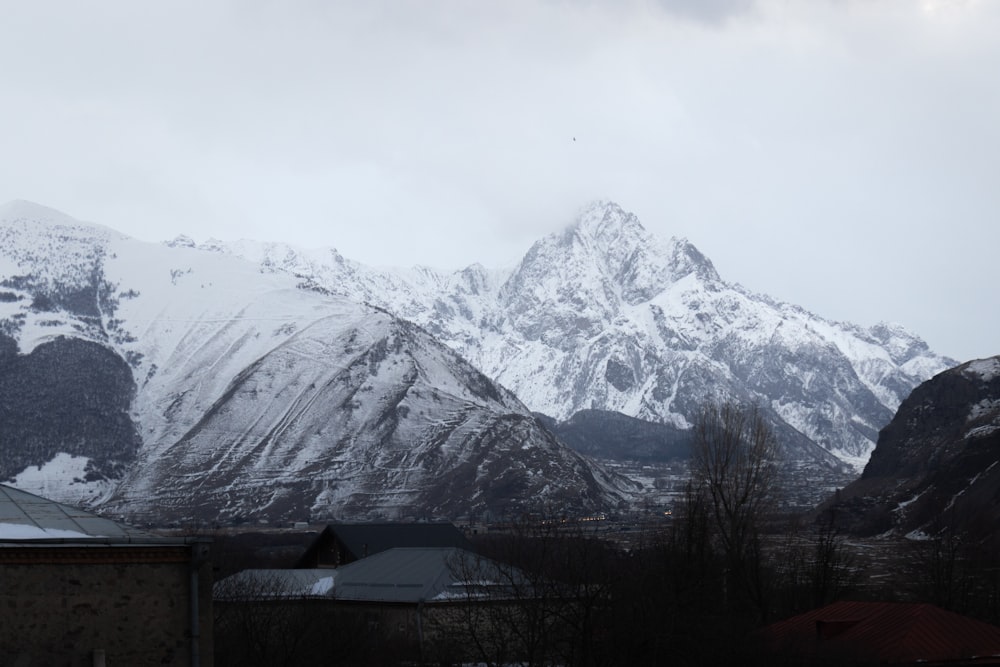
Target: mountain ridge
[
  {"x": 230, "y": 366},
  {"x": 603, "y": 315},
  {"x": 600, "y": 317}
]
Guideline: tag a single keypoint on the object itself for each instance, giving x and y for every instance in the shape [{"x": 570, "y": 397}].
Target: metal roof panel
[{"x": 25, "y": 516}]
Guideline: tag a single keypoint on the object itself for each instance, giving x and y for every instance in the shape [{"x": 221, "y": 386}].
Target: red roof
[{"x": 890, "y": 632}]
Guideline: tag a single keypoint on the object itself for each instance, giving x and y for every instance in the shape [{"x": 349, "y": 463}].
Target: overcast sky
[{"x": 843, "y": 155}]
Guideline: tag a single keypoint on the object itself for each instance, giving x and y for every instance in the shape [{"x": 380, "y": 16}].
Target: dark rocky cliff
[
  {"x": 67, "y": 395},
  {"x": 936, "y": 464}
]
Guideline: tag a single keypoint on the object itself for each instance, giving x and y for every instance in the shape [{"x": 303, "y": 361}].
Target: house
[
  {"x": 421, "y": 576},
  {"x": 79, "y": 589},
  {"x": 415, "y": 602},
  {"x": 398, "y": 578},
  {"x": 883, "y": 633},
  {"x": 449, "y": 604},
  {"x": 342, "y": 543}
]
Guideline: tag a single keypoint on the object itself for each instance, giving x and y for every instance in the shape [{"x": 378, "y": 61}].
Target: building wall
[
  {"x": 74, "y": 606},
  {"x": 312, "y": 631}
]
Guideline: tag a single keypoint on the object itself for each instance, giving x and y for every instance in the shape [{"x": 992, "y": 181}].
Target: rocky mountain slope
[
  {"x": 605, "y": 316},
  {"x": 612, "y": 435},
  {"x": 937, "y": 464},
  {"x": 193, "y": 386}
]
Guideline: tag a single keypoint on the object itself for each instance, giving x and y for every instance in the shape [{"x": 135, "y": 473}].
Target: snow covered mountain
[
  {"x": 235, "y": 393},
  {"x": 605, "y": 316}
]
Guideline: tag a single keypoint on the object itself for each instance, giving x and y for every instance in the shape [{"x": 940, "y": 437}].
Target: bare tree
[
  {"x": 263, "y": 618},
  {"x": 542, "y": 597},
  {"x": 733, "y": 459},
  {"x": 259, "y": 619},
  {"x": 833, "y": 571},
  {"x": 497, "y": 616},
  {"x": 814, "y": 567}
]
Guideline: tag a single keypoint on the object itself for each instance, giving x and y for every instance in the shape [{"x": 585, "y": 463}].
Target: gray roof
[
  {"x": 275, "y": 584},
  {"x": 363, "y": 540},
  {"x": 411, "y": 575},
  {"x": 27, "y": 518}
]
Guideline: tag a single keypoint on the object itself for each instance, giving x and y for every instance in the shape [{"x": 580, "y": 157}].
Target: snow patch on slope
[
  {"x": 986, "y": 369},
  {"x": 64, "y": 479}
]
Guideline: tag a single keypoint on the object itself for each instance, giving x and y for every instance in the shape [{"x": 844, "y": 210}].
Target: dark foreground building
[
  {"x": 78, "y": 589},
  {"x": 407, "y": 605},
  {"x": 882, "y": 633}
]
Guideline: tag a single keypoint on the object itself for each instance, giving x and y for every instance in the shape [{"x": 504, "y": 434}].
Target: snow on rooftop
[
  {"x": 21, "y": 531},
  {"x": 322, "y": 587},
  {"x": 25, "y": 516}
]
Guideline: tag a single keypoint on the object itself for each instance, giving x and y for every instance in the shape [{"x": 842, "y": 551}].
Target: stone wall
[{"x": 112, "y": 605}]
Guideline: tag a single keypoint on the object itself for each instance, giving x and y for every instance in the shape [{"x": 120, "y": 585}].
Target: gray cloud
[
  {"x": 840, "y": 155},
  {"x": 707, "y": 11}
]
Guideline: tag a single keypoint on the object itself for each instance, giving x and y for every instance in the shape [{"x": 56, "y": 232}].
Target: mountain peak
[
  {"x": 181, "y": 241},
  {"x": 22, "y": 209},
  {"x": 604, "y": 218},
  {"x": 900, "y": 343},
  {"x": 603, "y": 226},
  {"x": 574, "y": 283},
  {"x": 644, "y": 263},
  {"x": 29, "y": 219},
  {"x": 685, "y": 258}
]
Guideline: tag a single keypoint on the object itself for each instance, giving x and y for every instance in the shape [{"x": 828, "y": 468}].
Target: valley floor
[{"x": 663, "y": 483}]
